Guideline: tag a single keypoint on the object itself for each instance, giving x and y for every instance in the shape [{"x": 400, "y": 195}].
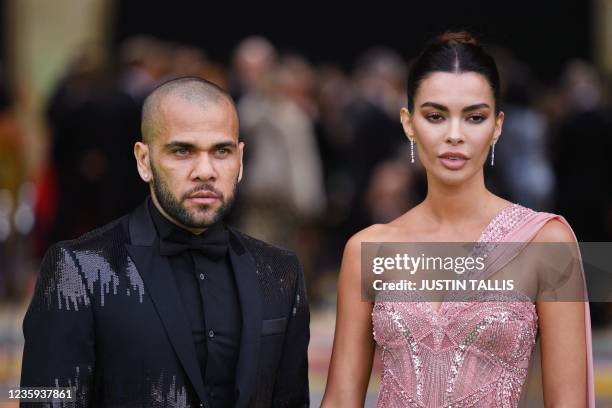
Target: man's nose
[{"x": 204, "y": 169}]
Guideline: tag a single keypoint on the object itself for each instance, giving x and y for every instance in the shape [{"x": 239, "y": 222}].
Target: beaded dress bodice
[{"x": 465, "y": 354}]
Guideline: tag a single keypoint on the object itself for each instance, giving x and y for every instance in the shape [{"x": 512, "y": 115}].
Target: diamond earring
[
  {"x": 411, "y": 150},
  {"x": 493, "y": 153}
]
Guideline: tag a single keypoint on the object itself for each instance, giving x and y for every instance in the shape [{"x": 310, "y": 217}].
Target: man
[{"x": 167, "y": 306}]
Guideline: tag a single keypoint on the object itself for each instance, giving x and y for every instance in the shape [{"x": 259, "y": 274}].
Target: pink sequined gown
[{"x": 465, "y": 354}]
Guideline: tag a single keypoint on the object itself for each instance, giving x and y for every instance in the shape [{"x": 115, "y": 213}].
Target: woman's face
[{"x": 453, "y": 124}]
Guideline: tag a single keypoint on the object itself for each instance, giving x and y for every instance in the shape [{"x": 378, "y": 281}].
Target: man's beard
[{"x": 176, "y": 210}]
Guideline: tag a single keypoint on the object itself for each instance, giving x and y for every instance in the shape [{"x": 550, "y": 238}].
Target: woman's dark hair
[{"x": 453, "y": 52}]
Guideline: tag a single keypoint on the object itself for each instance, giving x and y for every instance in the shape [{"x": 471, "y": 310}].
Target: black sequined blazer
[{"x": 106, "y": 318}]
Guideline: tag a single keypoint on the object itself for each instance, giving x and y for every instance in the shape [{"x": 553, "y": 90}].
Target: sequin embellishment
[{"x": 466, "y": 354}]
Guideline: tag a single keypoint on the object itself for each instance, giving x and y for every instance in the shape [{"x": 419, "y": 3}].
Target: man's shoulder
[
  {"x": 112, "y": 234},
  {"x": 70, "y": 268},
  {"x": 264, "y": 251}
]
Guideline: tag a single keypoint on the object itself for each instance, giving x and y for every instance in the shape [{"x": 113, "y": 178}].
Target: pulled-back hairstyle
[{"x": 454, "y": 52}]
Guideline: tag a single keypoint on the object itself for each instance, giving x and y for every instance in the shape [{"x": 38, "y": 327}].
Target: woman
[{"x": 454, "y": 119}]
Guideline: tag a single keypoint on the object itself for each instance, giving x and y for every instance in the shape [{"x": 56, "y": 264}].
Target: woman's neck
[{"x": 449, "y": 203}]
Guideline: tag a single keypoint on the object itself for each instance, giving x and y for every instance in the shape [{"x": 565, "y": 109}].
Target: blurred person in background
[
  {"x": 581, "y": 146},
  {"x": 391, "y": 191},
  {"x": 12, "y": 175},
  {"x": 192, "y": 61},
  {"x": 379, "y": 81},
  {"x": 188, "y": 61},
  {"x": 145, "y": 61},
  {"x": 11, "y": 148},
  {"x": 581, "y": 149},
  {"x": 92, "y": 124},
  {"x": 284, "y": 189},
  {"x": 167, "y": 306},
  {"x": 523, "y": 172},
  {"x": 253, "y": 61},
  {"x": 334, "y": 94},
  {"x": 283, "y": 198}
]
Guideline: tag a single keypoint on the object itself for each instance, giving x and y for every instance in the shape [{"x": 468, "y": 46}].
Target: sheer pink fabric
[{"x": 466, "y": 354}]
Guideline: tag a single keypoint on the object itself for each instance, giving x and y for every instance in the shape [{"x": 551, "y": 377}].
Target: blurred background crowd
[{"x": 325, "y": 152}]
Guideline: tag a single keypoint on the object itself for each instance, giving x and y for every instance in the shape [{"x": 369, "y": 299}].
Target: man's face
[{"x": 195, "y": 161}]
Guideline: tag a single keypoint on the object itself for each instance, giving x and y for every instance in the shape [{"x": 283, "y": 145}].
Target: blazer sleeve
[
  {"x": 58, "y": 328},
  {"x": 291, "y": 387}
]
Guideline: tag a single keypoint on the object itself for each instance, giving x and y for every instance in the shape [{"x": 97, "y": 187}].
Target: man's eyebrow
[
  {"x": 225, "y": 144},
  {"x": 178, "y": 144},
  {"x": 191, "y": 146}
]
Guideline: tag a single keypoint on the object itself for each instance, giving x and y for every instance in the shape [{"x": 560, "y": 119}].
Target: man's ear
[
  {"x": 143, "y": 161},
  {"x": 241, "y": 150},
  {"x": 406, "y": 119}
]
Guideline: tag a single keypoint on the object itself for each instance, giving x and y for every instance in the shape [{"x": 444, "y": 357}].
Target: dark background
[{"x": 544, "y": 34}]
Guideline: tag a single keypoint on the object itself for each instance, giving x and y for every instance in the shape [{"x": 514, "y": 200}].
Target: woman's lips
[{"x": 453, "y": 161}]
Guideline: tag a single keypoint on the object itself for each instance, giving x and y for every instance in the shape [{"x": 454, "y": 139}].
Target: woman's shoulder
[
  {"x": 554, "y": 227},
  {"x": 373, "y": 233}
]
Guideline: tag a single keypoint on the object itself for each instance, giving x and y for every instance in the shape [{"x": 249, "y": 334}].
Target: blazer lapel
[
  {"x": 245, "y": 272},
  {"x": 157, "y": 276}
]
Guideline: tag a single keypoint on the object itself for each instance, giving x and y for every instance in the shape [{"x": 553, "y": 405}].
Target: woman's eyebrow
[
  {"x": 435, "y": 106},
  {"x": 475, "y": 107},
  {"x": 445, "y": 109}
]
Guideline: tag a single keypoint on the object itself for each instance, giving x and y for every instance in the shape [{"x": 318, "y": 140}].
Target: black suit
[{"x": 107, "y": 318}]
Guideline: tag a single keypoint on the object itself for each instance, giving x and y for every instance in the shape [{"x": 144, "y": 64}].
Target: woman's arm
[
  {"x": 564, "y": 377},
  {"x": 353, "y": 352},
  {"x": 563, "y": 340}
]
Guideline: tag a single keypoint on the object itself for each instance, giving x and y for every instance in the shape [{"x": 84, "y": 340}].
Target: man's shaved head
[
  {"x": 190, "y": 154},
  {"x": 195, "y": 90}
]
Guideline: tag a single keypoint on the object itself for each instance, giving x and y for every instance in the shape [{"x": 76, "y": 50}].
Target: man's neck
[{"x": 194, "y": 231}]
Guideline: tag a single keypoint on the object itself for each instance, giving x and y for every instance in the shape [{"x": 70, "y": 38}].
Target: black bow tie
[{"x": 212, "y": 243}]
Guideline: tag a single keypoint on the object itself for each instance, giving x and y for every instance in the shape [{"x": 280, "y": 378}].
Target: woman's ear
[
  {"x": 406, "y": 119},
  {"x": 143, "y": 161},
  {"x": 499, "y": 121}
]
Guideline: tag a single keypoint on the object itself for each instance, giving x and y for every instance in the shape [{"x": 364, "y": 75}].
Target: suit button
[
  {"x": 211, "y": 334},
  {"x": 201, "y": 276}
]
